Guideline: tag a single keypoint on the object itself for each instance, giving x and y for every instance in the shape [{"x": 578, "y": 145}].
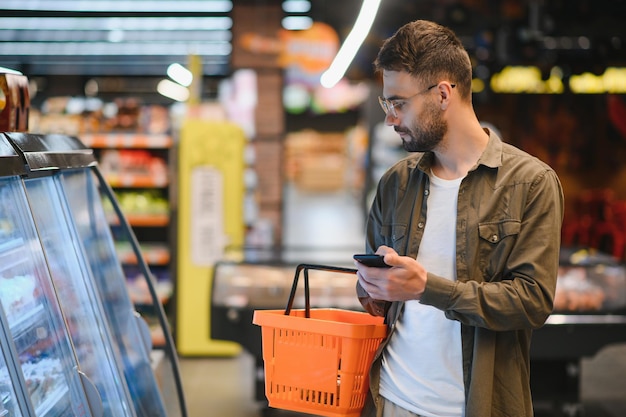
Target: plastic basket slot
[
  {"x": 306, "y": 360},
  {"x": 302, "y": 395},
  {"x": 318, "y": 397}
]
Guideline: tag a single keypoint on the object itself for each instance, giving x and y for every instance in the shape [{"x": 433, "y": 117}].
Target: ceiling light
[
  {"x": 172, "y": 90},
  {"x": 297, "y": 22},
  {"x": 180, "y": 74},
  {"x": 107, "y": 48},
  {"x": 296, "y": 6},
  {"x": 117, "y": 23},
  {"x": 135, "y": 6},
  {"x": 353, "y": 42}
]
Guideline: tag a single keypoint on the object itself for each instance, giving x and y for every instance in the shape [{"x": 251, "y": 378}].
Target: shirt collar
[{"x": 491, "y": 157}]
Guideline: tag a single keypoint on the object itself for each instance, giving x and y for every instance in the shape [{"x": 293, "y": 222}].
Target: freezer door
[
  {"x": 79, "y": 301},
  {"x": 87, "y": 213},
  {"x": 10, "y": 404},
  {"x": 36, "y": 334}
]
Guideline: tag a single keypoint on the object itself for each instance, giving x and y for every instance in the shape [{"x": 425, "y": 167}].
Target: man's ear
[{"x": 445, "y": 91}]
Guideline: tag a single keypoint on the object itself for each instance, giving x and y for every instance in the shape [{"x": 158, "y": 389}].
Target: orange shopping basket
[{"x": 317, "y": 361}]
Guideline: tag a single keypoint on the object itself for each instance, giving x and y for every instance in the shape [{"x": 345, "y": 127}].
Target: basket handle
[{"x": 306, "y": 267}]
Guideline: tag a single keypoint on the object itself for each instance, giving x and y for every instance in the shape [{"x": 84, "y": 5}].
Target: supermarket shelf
[
  {"x": 147, "y": 220},
  {"x": 142, "y": 220},
  {"x": 123, "y": 180},
  {"x": 140, "y": 294},
  {"x": 136, "y": 166},
  {"x": 153, "y": 254},
  {"x": 127, "y": 140}
]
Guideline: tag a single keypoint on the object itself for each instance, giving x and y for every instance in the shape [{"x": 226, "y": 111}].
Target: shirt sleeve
[{"x": 521, "y": 294}]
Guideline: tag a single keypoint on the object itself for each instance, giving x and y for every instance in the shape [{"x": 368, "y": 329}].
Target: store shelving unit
[{"x": 144, "y": 193}]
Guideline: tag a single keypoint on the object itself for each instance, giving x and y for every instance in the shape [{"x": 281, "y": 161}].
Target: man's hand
[{"x": 404, "y": 280}]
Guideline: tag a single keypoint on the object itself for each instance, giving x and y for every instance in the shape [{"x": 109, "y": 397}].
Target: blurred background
[{"x": 161, "y": 88}]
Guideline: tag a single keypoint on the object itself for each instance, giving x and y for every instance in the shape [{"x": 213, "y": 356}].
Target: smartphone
[{"x": 371, "y": 260}]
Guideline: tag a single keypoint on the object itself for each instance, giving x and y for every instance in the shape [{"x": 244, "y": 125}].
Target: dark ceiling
[
  {"x": 582, "y": 35},
  {"x": 508, "y": 32}
]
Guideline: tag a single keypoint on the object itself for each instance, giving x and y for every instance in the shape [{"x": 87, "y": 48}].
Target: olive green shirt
[{"x": 508, "y": 229}]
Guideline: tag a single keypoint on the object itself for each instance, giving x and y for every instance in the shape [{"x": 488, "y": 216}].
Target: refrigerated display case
[
  {"x": 71, "y": 339},
  {"x": 35, "y": 337},
  {"x": 589, "y": 315}
]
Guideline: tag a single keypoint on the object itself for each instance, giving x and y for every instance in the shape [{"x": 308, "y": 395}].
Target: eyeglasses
[{"x": 393, "y": 106}]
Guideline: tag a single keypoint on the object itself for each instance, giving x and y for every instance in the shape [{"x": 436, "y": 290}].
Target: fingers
[
  {"x": 405, "y": 280},
  {"x": 368, "y": 285},
  {"x": 384, "y": 250},
  {"x": 391, "y": 256},
  {"x": 373, "y": 280}
]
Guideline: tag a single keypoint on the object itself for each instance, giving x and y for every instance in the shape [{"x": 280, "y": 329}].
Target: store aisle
[
  {"x": 220, "y": 387},
  {"x": 319, "y": 228},
  {"x": 329, "y": 227}
]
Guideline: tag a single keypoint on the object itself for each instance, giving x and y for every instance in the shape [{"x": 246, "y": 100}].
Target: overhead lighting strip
[
  {"x": 122, "y": 23},
  {"x": 111, "y": 36},
  {"x": 296, "y": 17},
  {"x": 111, "y": 6},
  {"x": 351, "y": 45},
  {"x": 108, "y": 48},
  {"x": 296, "y": 6}
]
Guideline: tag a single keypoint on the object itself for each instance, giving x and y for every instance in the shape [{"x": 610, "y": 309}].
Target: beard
[{"x": 428, "y": 135}]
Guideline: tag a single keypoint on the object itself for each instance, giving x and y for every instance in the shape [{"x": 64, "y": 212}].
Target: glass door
[
  {"x": 130, "y": 339},
  {"x": 9, "y": 402},
  {"x": 82, "y": 308},
  {"x": 48, "y": 371}
]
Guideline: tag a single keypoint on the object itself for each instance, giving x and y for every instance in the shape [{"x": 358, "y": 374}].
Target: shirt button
[
  {"x": 420, "y": 225},
  {"x": 426, "y": 192},
  {"x": 494, "y": 238}
]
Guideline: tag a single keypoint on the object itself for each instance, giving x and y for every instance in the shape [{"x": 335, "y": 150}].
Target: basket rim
[{"x": 328, "y": 324}]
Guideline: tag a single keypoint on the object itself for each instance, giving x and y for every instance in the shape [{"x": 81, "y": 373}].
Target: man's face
[{"x": 413, "y": 111}]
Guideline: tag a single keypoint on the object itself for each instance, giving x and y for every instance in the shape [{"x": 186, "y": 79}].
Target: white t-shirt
[{"x": 422, "y": 365}]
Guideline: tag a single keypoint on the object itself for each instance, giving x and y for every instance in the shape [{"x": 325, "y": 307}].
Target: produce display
[{"x": 139, "y": 202}]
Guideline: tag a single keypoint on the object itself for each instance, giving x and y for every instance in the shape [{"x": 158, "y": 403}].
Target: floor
[{"x": 331, "y": 224}]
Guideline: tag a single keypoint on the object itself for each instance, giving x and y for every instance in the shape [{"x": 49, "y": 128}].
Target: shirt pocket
[
  {"x": 394, "y": 236},
  {"x": 496, "y": 242}
]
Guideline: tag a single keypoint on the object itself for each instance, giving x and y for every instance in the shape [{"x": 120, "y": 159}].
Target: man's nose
[{"x": 390, "y": 119}]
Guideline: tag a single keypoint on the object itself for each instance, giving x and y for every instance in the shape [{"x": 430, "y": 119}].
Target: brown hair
[{"x": 427, "y": 51}]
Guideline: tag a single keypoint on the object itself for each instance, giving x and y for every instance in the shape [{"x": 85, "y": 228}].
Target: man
[{"x": 470, "y": 227}]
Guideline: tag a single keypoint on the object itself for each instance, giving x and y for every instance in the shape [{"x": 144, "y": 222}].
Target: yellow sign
[{"x": 210, "y": 216}]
